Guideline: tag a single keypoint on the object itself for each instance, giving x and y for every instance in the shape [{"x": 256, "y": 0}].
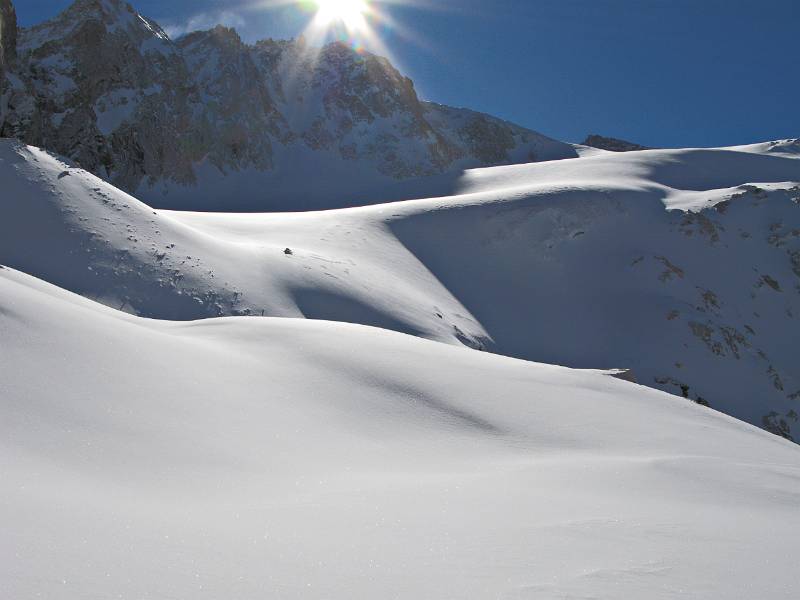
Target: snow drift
[
  {"x": 682, "y": 265},
  {"x": 252, "y": 458}
]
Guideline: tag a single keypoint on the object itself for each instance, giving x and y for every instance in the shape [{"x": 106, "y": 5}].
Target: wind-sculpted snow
[
  {"x": 266, "y": 458},
  {"x": 396, "y": 434},
  {"x": 681, "y": 265}
]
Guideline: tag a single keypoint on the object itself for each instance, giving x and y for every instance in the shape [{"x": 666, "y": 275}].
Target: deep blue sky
[{"x": 657, "y": 72}]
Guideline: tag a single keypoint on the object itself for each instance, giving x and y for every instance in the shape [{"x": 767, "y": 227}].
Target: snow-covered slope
[
  {"x": 683, "y": 265},
  {"x": 209, "y": 122},
  {"x": 266, "y": 458}
]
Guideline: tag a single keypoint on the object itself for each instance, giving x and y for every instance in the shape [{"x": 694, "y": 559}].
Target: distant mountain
[
  {"x": 208, "y": 121},
  {"x": 612, "y": 144}
]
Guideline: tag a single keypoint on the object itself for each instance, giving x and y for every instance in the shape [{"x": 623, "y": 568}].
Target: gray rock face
[
  {"x": 612, "y": 144},
  {"x": 107, "y": 88},
  {"x": 104, "y": 86},
  {"x": 8, "y": 33},
  {"x": 233, "y": 111},
  {"x": 8, "y": 53},
  {"x": 8, "y": 42}
]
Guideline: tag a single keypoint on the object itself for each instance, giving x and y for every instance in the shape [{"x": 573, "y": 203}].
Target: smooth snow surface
[
  {"x": 283, "y": 458},
  {"x": 682, "y": 265}
]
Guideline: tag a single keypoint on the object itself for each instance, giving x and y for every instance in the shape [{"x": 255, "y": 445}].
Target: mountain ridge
[
  {"x": 612, "y": 144},
  {"x": 169, "y": 120}
]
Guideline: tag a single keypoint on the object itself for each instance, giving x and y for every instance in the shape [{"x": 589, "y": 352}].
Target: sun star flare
[{"x": 350, "y": 13}]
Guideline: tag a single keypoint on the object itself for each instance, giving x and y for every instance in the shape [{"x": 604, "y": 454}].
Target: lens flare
[
  {"x": 349, "y": 13},
  {"x": 361, "y": 24}
]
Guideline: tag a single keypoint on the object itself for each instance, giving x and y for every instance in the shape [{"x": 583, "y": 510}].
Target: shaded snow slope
[
  {"x": 295, "y": 459},
  {"x": 72, "y": 229},
  {"x": 571, "y": 262}
]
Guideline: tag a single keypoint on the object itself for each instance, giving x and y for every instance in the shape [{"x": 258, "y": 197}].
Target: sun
[{"x": 350, "y": 13}]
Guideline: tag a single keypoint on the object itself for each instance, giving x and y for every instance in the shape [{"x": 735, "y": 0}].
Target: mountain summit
[{"x": 186, "y": 123}]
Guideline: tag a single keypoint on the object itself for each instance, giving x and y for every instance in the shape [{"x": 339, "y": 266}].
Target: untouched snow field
[
  {"x": 682, "y": 265},
  {"x": 284, "y": 458}
]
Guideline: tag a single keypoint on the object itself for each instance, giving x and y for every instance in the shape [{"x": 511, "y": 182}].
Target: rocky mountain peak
[
  {"x": 89, "y": 22},
  {"x": 106, "y": 10},
  {"x": 106, "y": 87},
  {"x": 220, "y": 37}
]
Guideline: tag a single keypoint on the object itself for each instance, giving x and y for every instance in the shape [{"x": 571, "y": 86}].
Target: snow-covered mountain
[
  {"x": 209, "y": 122},
  {"x": 280, "y": 458},
  {"x": 151, "y": 449},
  {"x": 682, "y": 265}
]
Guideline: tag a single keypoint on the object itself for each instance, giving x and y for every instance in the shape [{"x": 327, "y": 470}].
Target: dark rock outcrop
[
  {"x": 8, "y": 53},
  {"x": 8, "y": 33},
  {"x": 612, "y": 144}
]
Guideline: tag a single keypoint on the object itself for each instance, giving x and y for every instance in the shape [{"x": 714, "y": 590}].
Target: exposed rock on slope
[
  {"x": 8, "y": 33},
  {"x": 612, "y": 144},
  {"x": 105, "y": 86},
  {"x": 8, "y": 45},
  {"x": 182, "y": 123}
]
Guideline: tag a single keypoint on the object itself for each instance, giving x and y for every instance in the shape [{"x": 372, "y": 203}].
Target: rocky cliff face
[
  {"x": 107, "y": 88},
  {"x": 8, "y": 37},
  {"x": 8, "y": 53},
  {"x": 612, "y": 144},
  {"x": 8, "y": 33}
]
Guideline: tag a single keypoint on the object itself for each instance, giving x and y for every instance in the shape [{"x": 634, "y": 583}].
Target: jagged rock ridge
[
  {"x": 612, "y": 144},
  {"x": 109, "y": 89}
]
